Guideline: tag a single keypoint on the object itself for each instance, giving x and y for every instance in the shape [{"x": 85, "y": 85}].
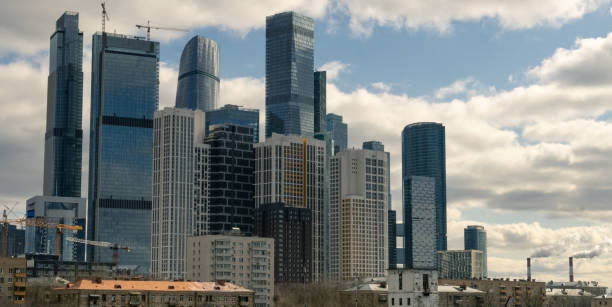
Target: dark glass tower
[
  {"x": 475, "y": 237},
  {"x": 424, "y": 154},
  {"x": 231, "y": 178},
  {"x": 124, "y": 97},
  {"x": 235, "y": 115},
  {"x": 320, "y": 94},
  {"x": 198, "y": 81},
  {"x": 289, "y": 74},
  {"x": 64, "y": 132},
  {"x": 338, "y": 130}
]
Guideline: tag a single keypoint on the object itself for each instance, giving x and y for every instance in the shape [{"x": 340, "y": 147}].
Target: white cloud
[
  {"x": 333, "y": 69},
  {"x": 381, "y": 86},
  {"x": 440, "y": 14}
]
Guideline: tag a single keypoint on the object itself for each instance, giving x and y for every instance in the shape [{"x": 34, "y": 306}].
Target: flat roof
[{"x": 152, "y": 285}]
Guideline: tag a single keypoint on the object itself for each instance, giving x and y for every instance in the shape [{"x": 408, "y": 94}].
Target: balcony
[{"x": 20, "y": 284}]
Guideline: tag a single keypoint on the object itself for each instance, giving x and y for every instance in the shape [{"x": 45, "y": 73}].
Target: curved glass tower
[{"x": 198, "y": 81}]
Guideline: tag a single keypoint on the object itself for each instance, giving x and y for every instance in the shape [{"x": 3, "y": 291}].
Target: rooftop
[
  {"x": 457, "y": 289},
  {"x": 149, "y": 285},
  {"x": 567, "y": 292}
]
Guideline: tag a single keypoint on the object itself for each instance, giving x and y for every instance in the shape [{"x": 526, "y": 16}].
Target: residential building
[
  {"x": 338, "y": 130},
  {"x": 419, "y": 223},
  {"x": 12, "y": 281},
  {"x": 99, "y": 292},
  {"x": 424, "y": 154},
  {"x": 40, "y": 268},
  {"x": 358, "y": 214},
  {"x": 370, "y": 294},
  {"x": 409, "y": 287},
  {"x": 475, "y": 237},
  {"x": 452, "y": 296},
  {"x": 392, "y": 247},
  {"x": 329, "y": 153},
  {"x": 243, "y": 260},
  {"x": 231, "y": 179},
  {"x": 64, "y": 130},
  {"x": 592, "y": 287},
  {"x": 124, "y": 97},
  {"x": 180, "y": 206},
  {"x": 568, "y": 297},
  {"x": 198, "y": 80},
  {"x": 289, "y": 169},
  {"x": 601, "y": 300},
  {"x": 234, "y": 115},
  {"x": 15, "y": 240},
  {"x": 58, "y": 210},
  {"x": 291, "y": 229},
  {"x": 460, "y": 264},
  {"x": 501, "y": 291},
  {"x": 320, "y": 101},
  {"x": 289, "y": 74}
]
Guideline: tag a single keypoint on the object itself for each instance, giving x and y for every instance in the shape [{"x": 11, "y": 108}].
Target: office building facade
[
  {"x": 178, "y": 203},
  {"x": 424, "y": 154},
  {"x": 460, "y": 264},
  {"x": 289, "y": 74},
  {"x": 392, "y": 226},
  {"x": 57, "y": 210},
  {"x": 289, "y": 169},
  {"x": 15, "y": 241},
  {"x": 124, "y": 97},
  {"x": 338, "y": 130},
  {"x": 64, "y": 130},
  {"x": 234, "y": 115},
  {"x": 420, "y": 223},
  {"x": 290, "y": 227},
  {"x": 231, "y": 178},
  {"x": 198, "y": 81},
  {"x": 358, "y": 214},
  {"x": 475, "y": 237},
  {"x": 242, "y": 260},
  {"x": 320, "y": 101}
]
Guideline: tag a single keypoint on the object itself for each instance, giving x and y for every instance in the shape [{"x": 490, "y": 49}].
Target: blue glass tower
[
  {"x": 424, "y": 154},
  {"x": 338, "y": 130},
  {"x": 64, "y": 132},
  {"x": 198, "y": 81},
  {"x": 124, "y": 96},
  {"x": 320, "y": 101},
  {"x": 234, "y": 115},
  {"x": 289, "y": 74},
  {"x": 475, "y": 237}
]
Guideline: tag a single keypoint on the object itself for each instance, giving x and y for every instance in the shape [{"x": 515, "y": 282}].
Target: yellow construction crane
[
  {"x": 35, "y": 222},
  {"x": 115, "y": 247},
  {"x": 149, "y": 27}
]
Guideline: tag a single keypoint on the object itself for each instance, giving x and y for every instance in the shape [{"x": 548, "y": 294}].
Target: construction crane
[
  {"x": 104, "y": 16},
  {"x": 149, "y": 27},
  {"x": 35, "y": 222},
  {"x": 113, "y": 246}
]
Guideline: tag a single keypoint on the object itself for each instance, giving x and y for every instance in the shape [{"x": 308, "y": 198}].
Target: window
[
  {"x": 392, "y": 301},
  {"x": 400, "y": 287},
  {"x": 400, "y": 302}
]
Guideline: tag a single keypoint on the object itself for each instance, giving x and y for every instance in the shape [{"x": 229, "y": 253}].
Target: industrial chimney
[
  {"x": 528, "y": 269},
  {"x": 571, "y": 269}
]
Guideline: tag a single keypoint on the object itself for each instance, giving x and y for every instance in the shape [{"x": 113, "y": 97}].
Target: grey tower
[
  {"x": 475, "y": 237},
  {"x": 289, "y": 74},
  {"x": 198, "y": 81},
  {"x": 64, "y": 132},
  {"x": 320, "y": 97}
]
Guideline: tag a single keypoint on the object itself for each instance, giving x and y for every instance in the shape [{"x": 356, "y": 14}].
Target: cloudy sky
[{"x": 524, "y": 89}]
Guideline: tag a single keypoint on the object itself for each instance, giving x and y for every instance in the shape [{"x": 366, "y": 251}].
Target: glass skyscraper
[
  {"x": 289, "y": 74},
  {"x": 320, "y": 101},
  {"x": 338, "y": 130},
  {"x": 198, "y": 81},
  {"x": 420, "y": 250},
  {"x": 64, "y": 132},
  {"x": 475, "y": 237},
  {"x": 424, "y": 154},
  {"x": 234, "y": 115},
  {"x": 124, "y": 97}
]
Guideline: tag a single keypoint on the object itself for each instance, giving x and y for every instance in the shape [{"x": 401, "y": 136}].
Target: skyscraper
[
  {"x": 289, "y": 74},
  {"x": 289, "y": 169},
  {"x": 419, "y": 223},
  {"x": 460, "y": 264},
  {"x": 231, "y": 178},
  {"x": 320, "y": 101},
  {"x": 234, "y": 115},
  {"x": 338, "y": 130},
  {"x": 198, "y": 81},
  {"x": 424, "y": 154},
  {"x": 64, "y": 132},
  {"x": 124, "y": 97},
  {"x": 475, "y": 237},
  {"x": 358, "y": 214},
  {"x": 179, "y": 200}
]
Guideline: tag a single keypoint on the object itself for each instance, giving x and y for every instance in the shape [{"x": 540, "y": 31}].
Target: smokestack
[
  {"x": 571, "y": 269},
  {"x": 528, "y": 269}
]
